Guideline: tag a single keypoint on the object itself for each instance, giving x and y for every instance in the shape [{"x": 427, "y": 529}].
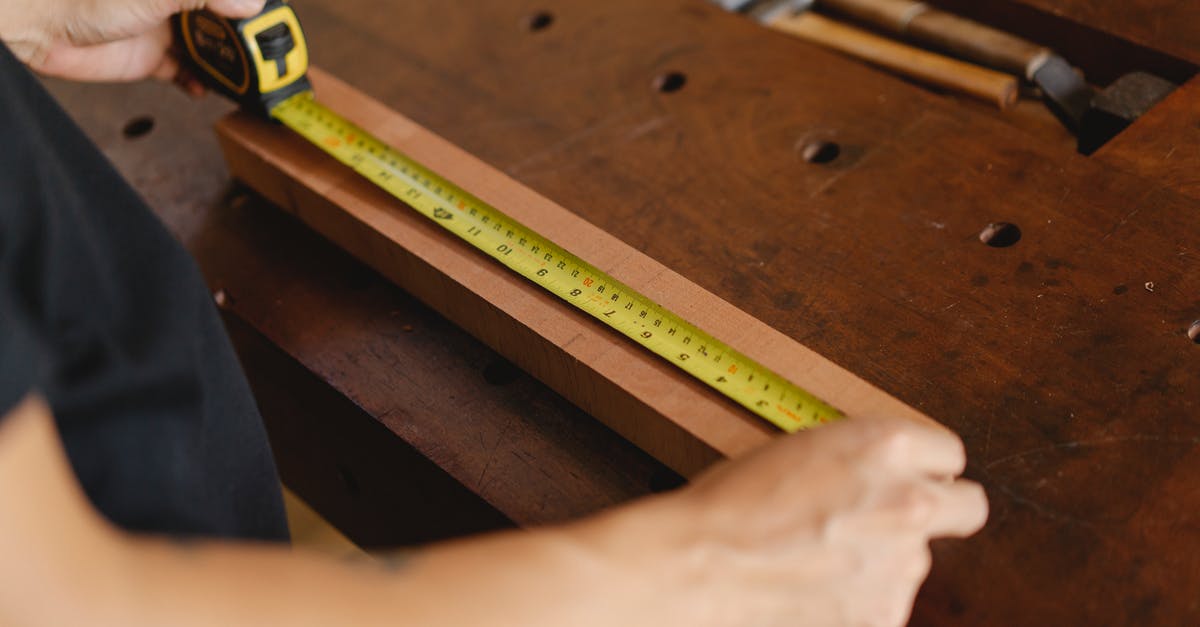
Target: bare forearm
[
  {"x": 756, "y": 542},
  {"x": 553, "y": 578},
  {"x": 62, "y": 564}
]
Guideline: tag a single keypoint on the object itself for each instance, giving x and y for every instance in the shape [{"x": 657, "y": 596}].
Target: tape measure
[{"x": 262, "y": 63}]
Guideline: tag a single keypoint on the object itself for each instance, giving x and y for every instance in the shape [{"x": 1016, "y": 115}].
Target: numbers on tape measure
[{"x": 557, "y": 270}]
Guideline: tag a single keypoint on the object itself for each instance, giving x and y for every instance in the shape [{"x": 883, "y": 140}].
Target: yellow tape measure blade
[{"x": 556, "y": 270}]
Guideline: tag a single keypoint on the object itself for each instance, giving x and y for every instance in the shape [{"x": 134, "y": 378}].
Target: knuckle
[
  {"x": 889, "y": 444},
  {"x": 915, "y": 505}
]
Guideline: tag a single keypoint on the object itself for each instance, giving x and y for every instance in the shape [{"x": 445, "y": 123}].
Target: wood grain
[{"x": 676, "y": 419}]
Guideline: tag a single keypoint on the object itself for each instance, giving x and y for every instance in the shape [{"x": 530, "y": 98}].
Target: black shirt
[{"x": 104, "y": 314}]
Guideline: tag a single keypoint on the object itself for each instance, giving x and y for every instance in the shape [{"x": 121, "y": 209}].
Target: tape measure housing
[{"x": 258, "y": 62}]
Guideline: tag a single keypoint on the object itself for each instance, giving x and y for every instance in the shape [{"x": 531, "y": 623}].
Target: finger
[
  {"x": 163, "y": 9},
  {"x": 923, "y": 447},
  {"x": 961, "y": 510},
  {"x": 128, "y": 59},
  {"x": 906, "y": 584},
  {"x": 167, "y": 70},
  {"x": 100, "y": 22},
  {"x": 893, "y": 578},
  {"x": 233, "y": 8}
]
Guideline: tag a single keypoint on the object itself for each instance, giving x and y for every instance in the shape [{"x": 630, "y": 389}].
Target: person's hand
[
  {"x": 103, "y": 40},
  {"x": 829, "y": 527}
]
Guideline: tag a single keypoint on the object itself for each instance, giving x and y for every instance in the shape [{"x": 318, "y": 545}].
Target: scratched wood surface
[
  {"x": 1063, "y": 360},
  {"x": 1163, "y": 144}
]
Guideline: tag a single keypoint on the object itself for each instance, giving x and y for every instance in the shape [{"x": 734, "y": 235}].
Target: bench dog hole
[
  {"x": 138, "y": 127},
  {"x": 539, "y": 21},
  {"x": 1000, "y": 235},
  {"x": 670, "y": 82},
  {"x": 821, "y": 152}
]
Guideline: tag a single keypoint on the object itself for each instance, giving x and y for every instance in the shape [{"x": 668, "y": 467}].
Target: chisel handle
[
  {"x": 921, "y": 65},
  {"x": 955, "y": 34}
]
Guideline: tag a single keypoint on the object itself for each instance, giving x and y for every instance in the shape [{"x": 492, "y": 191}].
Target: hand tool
[
  {"x": 1064, "y": 87},
  {"x": 921, "y": 65},
  {"x": 262, "y": 62},
  {"x": 1095, "y": 116}
]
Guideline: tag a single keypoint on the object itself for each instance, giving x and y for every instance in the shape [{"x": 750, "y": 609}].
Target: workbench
[{"x": 1061, "y": 359}]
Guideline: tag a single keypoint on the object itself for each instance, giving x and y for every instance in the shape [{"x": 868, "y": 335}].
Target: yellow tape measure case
[{"x": 258, "y": 62}]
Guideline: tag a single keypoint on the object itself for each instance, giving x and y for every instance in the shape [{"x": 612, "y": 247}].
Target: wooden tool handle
[
  {"x": 958, "y": 35},
  {"x": 928, "y": 67}
]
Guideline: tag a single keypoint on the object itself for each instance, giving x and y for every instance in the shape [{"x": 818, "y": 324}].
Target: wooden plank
[
  {"x": 678, "y": 420},
  {"x": 349, "y": 348},
  {"x": 379, "y": 490}
]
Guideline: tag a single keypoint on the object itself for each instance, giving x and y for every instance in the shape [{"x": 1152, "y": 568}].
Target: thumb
[
  {"x": 228, "y": 8},
  {"x": 100, "y": 22}
]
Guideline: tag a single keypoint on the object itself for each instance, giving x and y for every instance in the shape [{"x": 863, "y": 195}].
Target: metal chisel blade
[{"x": 1066, "y": 91}]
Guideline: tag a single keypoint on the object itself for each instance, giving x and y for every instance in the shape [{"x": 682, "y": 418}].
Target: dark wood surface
[
  {"x": 1172, "y": 26},
  {"x": 1063, "y": 361},
  {"x": 1105, "y": 48},
  {"x": 1164, "y": 144}
]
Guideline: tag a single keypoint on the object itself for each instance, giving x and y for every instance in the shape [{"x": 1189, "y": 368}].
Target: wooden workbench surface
[
  {"x": 1063, "y": 360},
  {"x": 1172, "y": 26}
]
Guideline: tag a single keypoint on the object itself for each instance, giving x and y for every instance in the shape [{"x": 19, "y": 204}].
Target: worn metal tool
[
  {"x": 1095, "y": 116},
  {"x": 1064, "y": 87},
  {"x": 921, "y": 65}
]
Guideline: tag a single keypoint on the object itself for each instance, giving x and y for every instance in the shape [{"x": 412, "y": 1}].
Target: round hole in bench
[
  {"x": 1000, "y": 235},
  {"x": 138, "y": 127},
  {"x": 670, "y": 82},
  {"x": 821, "y": 151},
  {"x": 539, "y": 21}
]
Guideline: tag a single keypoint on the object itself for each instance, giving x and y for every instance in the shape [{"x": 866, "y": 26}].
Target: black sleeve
[
  {"x": 21, "y": 359},
  {"x": 22, "y": 353},
  {"x": 105, "y": 315}
]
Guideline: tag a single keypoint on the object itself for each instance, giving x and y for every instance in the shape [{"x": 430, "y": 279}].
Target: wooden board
[{"x": 676, "y": 419}]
